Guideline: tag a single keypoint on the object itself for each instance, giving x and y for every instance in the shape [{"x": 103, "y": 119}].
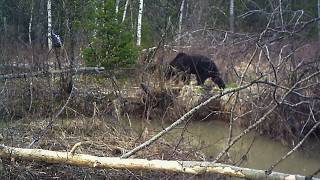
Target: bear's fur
[{"x": 201, "y": 66}]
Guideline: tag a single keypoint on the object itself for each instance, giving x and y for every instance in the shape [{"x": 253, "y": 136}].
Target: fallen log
[
  {"x": 190, "y": 167},
  {"x": 83, "y": 70}
]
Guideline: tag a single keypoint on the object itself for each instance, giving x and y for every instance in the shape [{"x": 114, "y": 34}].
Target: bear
[{"x": 201, "y": 66}]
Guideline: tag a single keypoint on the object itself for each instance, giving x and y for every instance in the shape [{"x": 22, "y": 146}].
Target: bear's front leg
[{"x": 201, "y": 78}]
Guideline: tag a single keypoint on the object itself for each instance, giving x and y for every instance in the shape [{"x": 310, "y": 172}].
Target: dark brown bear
[{"x": 199, "y": 65}]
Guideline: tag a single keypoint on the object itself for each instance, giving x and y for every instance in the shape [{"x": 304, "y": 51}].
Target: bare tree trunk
[
  {"x": 30, "y": 42},
  {"x": 117, "y": 6},
  {"x": 49, "y": 24},
  {"x": 71, "y": 34},
  {"x": 188, "y": 167},
  {"x": 319, "y": 20},
  {"x": 30, "y": 23},
  {"x": 125, "y": 10},
  {"x": 67, "y": 79},
  {"x": 201, "y": 6},
  {"x": 139, "y": 23},
  {"x": 180, "y": 22},
  {"x": 231, "y": 11},
  {"x": 117, "y": 9},
  {"x": 5, "y": 25},
  {"x": 281, "y": 14},
  {"x": 131, "y": 15}
]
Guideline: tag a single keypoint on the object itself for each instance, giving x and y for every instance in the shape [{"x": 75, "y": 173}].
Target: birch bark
[
  {"x": 139, "y": 23},
  {"x": 319, "y": 20},
  {"x": 49, "y": 24},
  {"x": 117, "y": 6},
  {"x": 125, "y": 10},
  {"x": 180, "y": 22},
  {"x": 231, "y": 11},
  {"x": 30, "y": 23}
]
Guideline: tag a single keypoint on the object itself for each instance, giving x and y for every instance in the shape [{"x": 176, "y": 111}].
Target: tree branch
[{"x": 182, "y": 119}]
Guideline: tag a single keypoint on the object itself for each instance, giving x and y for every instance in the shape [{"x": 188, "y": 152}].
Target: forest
[{"x": 159, "y": 89}]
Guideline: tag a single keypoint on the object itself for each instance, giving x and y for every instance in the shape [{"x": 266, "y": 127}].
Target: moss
[
  {"x": 199, "y": 90},
  {"x": 232, "y": 85}
]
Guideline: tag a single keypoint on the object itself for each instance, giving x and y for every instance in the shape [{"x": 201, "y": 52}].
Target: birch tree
[
  {"x": 125, "y": 10},
  {"x": 30, "y": 23},
  {"x": 117, "y": 6},
  {"x": 139, "y": 23},
  {"x": 49, "y": 24},
  {"x": 231, "y": 11},
  {"x": 180, "y": 21},
  {"x": 187, "y": 167},
  {"x": 281, "y": 14},
  {"x": 319, "y": 20}
]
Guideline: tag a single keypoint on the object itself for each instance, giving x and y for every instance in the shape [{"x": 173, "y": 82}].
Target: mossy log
[{"x": 190, "y": 167}]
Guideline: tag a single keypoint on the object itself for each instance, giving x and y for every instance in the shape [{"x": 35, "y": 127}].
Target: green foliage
[{"x": 112, "y": 45}]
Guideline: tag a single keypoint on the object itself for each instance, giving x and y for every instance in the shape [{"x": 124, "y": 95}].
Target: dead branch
[
  {"x": 295, "y": 148},
  {"x": 264, "y": 117},
  {"x": 182, "y": 119},
  {"x": 246, "y": 131},
  {"x": 189, "y": 167},
  {"x": 74, "y": 148},
  {"x": 37, "y": 138}
]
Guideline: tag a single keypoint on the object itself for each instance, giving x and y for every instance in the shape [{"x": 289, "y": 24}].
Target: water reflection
[{"x": 263, "y": 153}]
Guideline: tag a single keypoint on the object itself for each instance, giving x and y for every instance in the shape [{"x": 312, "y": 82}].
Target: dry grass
[{"x": 100, "y": 137}]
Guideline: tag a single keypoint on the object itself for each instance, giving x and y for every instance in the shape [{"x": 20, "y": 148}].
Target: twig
[
  {"x": 314, "y": 174},
  {"x": 264, "y": 117},
  {"x": 294, "y": 149},
  {"x": 237, "y": 96},
  {"x": 182, "y": 119},
  {"x": 37, "y": 138},
  {"x": 246, "y": 131},
  {"x": 74, "y": 148},
  {"x": 245, "y": 155},
  {"x": 31, "y": 95},
  {"x": 181, "y": 138}
]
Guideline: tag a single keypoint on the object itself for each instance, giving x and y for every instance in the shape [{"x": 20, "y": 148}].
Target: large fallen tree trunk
[
  {"x": 191, "y": 167},
  {"x": 83, "y": 70}
]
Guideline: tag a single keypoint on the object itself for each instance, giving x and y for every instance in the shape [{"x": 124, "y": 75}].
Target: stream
[
  {"x": 262, "y": 154},
  {"x": 263, "y": 151}
]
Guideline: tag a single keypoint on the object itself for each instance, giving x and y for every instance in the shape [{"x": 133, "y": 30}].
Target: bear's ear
[{"x": 181, "y": 54}]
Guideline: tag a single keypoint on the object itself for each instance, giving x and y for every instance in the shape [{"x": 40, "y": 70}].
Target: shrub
[{"x": 112, "y": 44}]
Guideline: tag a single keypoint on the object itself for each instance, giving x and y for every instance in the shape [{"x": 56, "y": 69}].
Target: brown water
[{"x": 263, "y": 153}]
